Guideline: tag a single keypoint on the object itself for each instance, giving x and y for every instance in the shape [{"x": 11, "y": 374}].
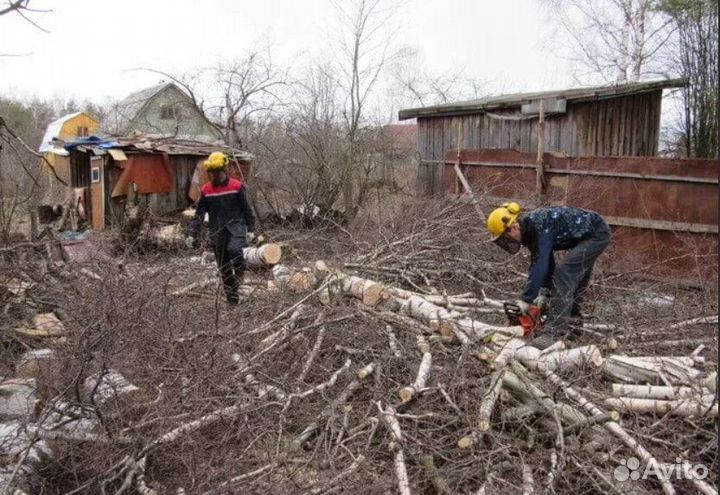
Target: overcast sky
[{"x": 92, "y": 45}]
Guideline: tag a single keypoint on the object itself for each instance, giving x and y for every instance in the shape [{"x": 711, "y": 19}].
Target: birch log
[
  {"x": 653, "y": 391},
  {"x": 295, "y": 280},
  {"x": 577, "y": 358},
  {"x": 488, "y": 403},
  {"x": 104, "y": 387},
  {"x": 390, "y": 418},
  {"x": 407, "y": 393},
  {"x": 711, "y": 382},
  {"x": 265, "y": 255},
  {"x": 633, "y": 370},
  {"x": 437, "y": 318},
  {"x": 705, "y": 406},
  {"x": 371, "y": 293},
  {"x": 611, "y": 426}
]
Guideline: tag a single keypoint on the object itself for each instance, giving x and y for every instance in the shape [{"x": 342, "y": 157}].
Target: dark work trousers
[
  {"x": 572, "y": 276},
  {"x": 230, "y": 262}
]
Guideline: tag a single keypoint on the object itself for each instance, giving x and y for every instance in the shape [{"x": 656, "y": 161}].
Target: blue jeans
[{"x": 571, "y": 278}]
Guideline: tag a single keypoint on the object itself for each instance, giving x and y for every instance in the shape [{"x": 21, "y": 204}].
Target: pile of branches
[{"x": 392, "y": 370}]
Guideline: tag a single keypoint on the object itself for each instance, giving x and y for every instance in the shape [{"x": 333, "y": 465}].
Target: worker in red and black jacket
[{"x": 231, "y": 222}]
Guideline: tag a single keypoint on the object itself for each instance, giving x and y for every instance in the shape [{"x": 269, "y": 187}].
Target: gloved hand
[
  {"x": 249, "y": 238},
  {"x": 190, "y": 242},
  {"x": 260, "y": 240},
  {"x": 523, "y": 306},
  {"x": 542, "y": 299}
]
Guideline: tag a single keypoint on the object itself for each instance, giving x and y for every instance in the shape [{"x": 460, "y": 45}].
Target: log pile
[{"x": 375, "y": 373}]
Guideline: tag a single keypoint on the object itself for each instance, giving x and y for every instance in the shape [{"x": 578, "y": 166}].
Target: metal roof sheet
[{"x": 518, "y": 99}]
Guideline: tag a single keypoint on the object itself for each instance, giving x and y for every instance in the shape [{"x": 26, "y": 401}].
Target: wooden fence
[{"x": 664, "y": 212}]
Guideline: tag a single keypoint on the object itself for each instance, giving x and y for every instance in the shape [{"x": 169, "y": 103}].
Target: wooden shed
[
  {"x": 618, "y": 120},
  {"x": 161, "y": 174}
]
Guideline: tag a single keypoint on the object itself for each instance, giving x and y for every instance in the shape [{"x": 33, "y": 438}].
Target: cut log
[
  {"x": 18, "y": 398},
  {"x": 644, "y": 455},
  {"x": 557, "y": 346},
  {"x": 653, "y": 391},
  {"x": 168, "y": 235},
  {"x": 17, "y": 443},
  {"x": 408, "y": 393},
  {"x": 281, "y": 275},
  {"x": 633, "y": 370},
  {"x": 46, "y": 325},
  {"x": 477, "y": 330},
  {"x": 102, "y": 388},
  {"x": 437, "y": 318},
  {"x": 371, "y": 293},
  {"x": 31, "y": 363},
  {"x": 295, "y": 280},
  {"x": 488, "y": 403},
  {"x": 688, "y": 407},
  {"x": 577, "y": 358},
  {"x": 265, "y": 255},
  {"x": 566, "y": 360},
  {"x": 302, "y": 280},
  {"x": 529, "y": 393},
  {"x": 390, "y": 418},
  {"x": 711, "y": 382}
]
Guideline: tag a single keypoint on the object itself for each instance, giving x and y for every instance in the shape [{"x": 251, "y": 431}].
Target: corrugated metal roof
[
  {"x": 156, "y": 144},
  {"x": 53, "y": 131},
  {"x": 518, "y": 99}
]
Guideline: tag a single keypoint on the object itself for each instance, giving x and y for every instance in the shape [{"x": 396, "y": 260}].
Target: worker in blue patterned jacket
[
  {"x": 231, "y": 222},
  {"x": 583, "y": 234}
]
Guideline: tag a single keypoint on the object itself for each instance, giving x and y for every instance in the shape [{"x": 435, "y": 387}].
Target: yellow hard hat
[
  {"x": 216, "y": 161},
  {"x": 502, "y": 218}
]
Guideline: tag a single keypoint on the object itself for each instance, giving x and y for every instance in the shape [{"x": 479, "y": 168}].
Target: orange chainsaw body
[{"x": 531, "y": 322}]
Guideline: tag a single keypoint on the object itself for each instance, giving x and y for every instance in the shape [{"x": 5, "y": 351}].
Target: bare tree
[
  {"x": 300, "y": 153},
  {"x": 23, "y": 9},
  {"x": 365, "y": 48},
  {"x": 615, "y": 40},
  {"x": 412, "y": 84},
  {"x": 249, "y": 86},
  {"x": 695, "y": 55}
]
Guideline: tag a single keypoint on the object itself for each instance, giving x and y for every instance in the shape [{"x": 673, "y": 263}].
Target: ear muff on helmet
[
  {"x": 512, "y": 208},
  {"x": 502, "y": 218}
]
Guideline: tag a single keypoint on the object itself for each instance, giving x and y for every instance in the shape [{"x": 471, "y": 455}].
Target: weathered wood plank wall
[
  {"x": 621, "y": 126},
  {"x": 663, "y": 211}
]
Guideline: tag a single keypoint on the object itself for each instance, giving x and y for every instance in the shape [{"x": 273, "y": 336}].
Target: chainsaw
[{"x": 531, "y": 322}]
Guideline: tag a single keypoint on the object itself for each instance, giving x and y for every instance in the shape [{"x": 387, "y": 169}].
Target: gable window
[
  {"x": 81, "y": 131},
  {"x": 170, "y": 112}
]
